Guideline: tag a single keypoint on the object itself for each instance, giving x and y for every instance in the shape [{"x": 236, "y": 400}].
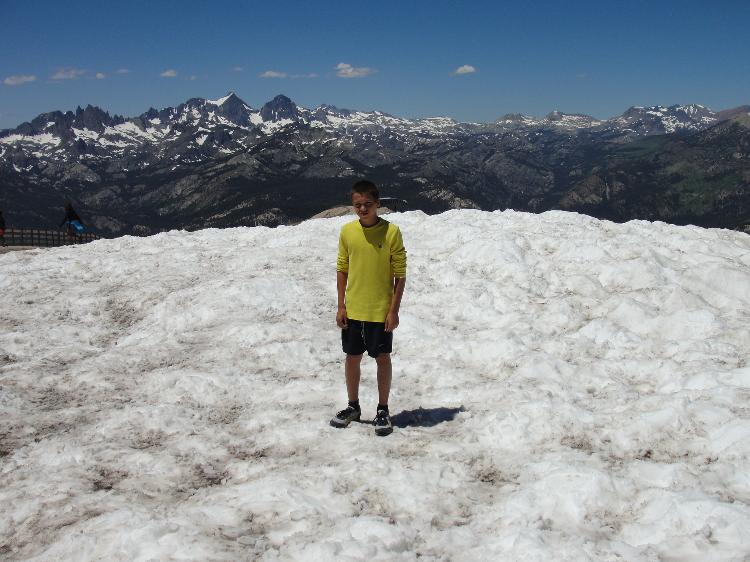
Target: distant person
[
  {"x": 370, "y": 279},
  {"x": 2, "y": 228},
  {"x": 72, "y": 221}
]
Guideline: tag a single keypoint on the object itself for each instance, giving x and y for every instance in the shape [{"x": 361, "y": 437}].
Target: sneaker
[
  {"x": 345, "y": 417},
  {"x": 382, "y": 423}
]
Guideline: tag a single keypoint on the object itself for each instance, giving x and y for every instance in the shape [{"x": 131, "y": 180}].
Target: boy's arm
[
  {"x": 391, "y": 320},
  {"x": 398, "y": 266},
  {"x": 341, "y": 279},
  {"x": 342, "y": 276}
]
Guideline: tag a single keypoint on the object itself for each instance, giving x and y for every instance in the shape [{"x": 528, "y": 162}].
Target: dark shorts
[{"x": 359, "y": 337}]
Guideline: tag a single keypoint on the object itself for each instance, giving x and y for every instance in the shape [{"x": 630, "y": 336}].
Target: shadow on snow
[{"x": 422, "y": 417}]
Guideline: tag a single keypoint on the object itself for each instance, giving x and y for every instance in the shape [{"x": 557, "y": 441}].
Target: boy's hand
[
  {"x": 341, "y": 317},
  {"x": 391, "y": 321}
]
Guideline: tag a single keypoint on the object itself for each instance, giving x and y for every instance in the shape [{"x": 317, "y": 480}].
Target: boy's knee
[
  {"x": 353, "y": 358},
  {"x": 383, "y": 358}
]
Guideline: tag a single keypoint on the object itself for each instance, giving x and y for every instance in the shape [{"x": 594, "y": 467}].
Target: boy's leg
[
  {"x": 382, "y": 421},
  {"x": 384, "y": 377},
  {"x": 352, "y": 372},
  {"x": 352, "y": 412}
]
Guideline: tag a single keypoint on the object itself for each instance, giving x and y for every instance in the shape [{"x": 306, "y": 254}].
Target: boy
[{"x": 370, "y": 279}]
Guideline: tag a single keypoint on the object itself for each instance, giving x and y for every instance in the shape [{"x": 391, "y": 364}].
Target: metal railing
[{"x": 45, "y": 238}]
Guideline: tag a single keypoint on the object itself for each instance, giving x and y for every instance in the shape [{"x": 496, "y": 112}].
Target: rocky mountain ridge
[
  {"x": 94, "y": 131},
  {"x": 222, "y": 162}
]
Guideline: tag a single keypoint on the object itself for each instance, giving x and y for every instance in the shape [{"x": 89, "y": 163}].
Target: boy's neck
[{"x": 373, "y": 223}]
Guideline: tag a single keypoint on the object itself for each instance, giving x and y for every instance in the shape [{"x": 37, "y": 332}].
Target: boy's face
[{"x": 366, "y": 207}]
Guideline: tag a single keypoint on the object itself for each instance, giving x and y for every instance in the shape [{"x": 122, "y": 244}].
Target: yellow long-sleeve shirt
[{"x": 371, "y": 257}]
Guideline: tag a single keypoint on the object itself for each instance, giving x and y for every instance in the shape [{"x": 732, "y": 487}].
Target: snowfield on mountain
[{"x": 564, "y": 389}]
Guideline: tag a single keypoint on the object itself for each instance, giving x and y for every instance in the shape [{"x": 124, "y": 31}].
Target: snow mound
[{"x": 564, "y": 389}]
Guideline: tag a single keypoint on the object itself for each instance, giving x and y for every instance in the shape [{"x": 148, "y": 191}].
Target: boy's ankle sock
[
  {"x": 354, "y": 404},
  {"x": 383, "y": 407}
]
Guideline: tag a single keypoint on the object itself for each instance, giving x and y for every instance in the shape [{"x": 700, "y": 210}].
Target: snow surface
[
  {"x": 564, "y": 389},
  {"x": 43, "y": 138},
  {"x": 85, "y": 134},
  {"x": 270, "y": 127},
  {"x": 131, "y": 132}
]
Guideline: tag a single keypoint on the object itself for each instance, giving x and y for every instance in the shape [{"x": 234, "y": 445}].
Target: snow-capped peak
[{"x": 221, "y": 101}]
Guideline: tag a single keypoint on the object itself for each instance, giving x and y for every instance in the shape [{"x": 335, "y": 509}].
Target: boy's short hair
[{"x": 365, "y": 187}]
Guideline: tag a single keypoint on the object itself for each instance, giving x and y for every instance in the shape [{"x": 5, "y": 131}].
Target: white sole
[{"x": 338, "y": 423}]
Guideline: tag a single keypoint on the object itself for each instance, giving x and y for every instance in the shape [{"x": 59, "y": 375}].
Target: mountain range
[{"x": 218, "y": 163}]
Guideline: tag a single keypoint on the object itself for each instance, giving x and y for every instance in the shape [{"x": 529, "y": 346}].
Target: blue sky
[{"x": 401, "y": 57}]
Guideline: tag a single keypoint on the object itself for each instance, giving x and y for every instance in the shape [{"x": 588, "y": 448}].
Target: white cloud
[
  {"x": 67, "y": 74},
  {"x": 193, "y": 77},
  {"x": 277, "y": 74},
  {"x": 171, "y": 73},
  {"x": 345, "y": 70},
  {"x": 238, "y": 69},
  {"x": 273, "y": 74},
  {"x": 122, "y": 71},
  {"x": 465, "y": 69},
  {"x": 18, "y": 79},
  {"x": 100, "y": 76}
]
